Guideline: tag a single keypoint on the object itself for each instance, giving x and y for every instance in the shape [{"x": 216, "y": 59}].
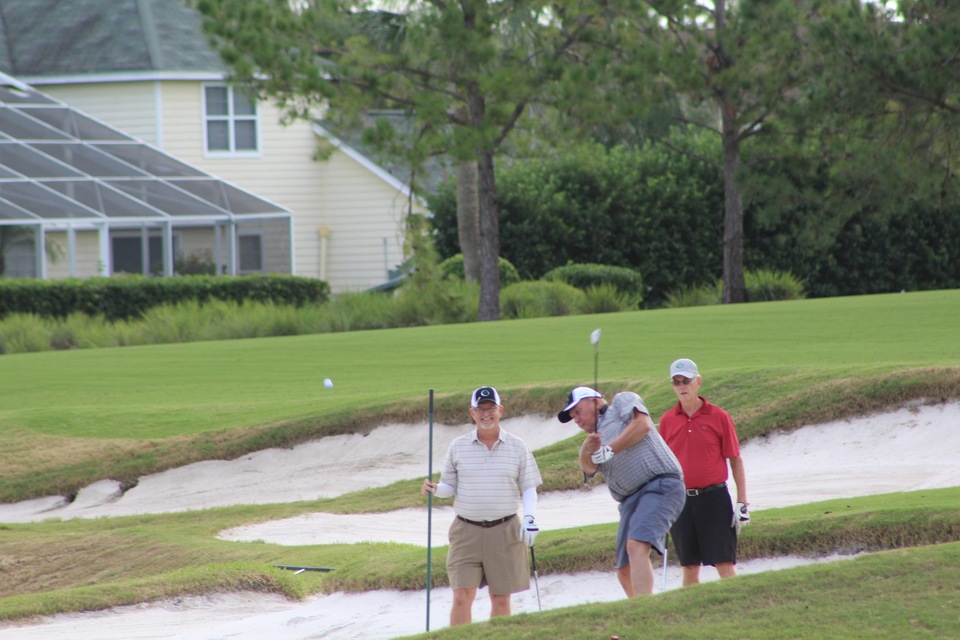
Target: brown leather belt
[
  {"x": 486, "y": 524},
  {"x": 696, "y": 492}
]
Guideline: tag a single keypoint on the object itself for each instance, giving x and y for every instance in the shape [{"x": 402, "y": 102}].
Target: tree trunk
[
  {"x": 489, "y": 240},
  {"x": 468, "y": 219},
  {"x": 734, "y": 289}
]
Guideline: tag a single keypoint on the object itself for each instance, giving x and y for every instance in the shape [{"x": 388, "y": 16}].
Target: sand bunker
[{"x": 842, "y": 459}]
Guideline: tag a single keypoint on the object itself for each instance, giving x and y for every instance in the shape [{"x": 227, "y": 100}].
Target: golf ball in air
[{"x": 328, "y": 383}]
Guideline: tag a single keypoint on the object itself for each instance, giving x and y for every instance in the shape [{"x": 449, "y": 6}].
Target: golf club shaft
[
  {"x": 666, "y": 541},
  {"x": 596, "y": 365},
  {"x": 536, "y": 579},
  {"x": 595, "y": 341},
  {"x": 429, "y": 505}
]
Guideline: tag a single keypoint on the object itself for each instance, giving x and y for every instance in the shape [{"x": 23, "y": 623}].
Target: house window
[
  {"x": 251, "y": 253},
  {"x": 127, "y": 253},
  {"x": 231, "y": 123},
  {"x": 19, "y": 257}
]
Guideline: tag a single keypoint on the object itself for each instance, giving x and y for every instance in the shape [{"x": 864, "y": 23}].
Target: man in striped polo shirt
[
  {"x": 641, "y": 472},
  {"x": 491, "y": 473}
]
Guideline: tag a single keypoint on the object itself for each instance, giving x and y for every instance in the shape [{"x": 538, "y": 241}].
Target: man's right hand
[
  {"x": 428, "y": 487},
  {"x": 603, "y": 454}
]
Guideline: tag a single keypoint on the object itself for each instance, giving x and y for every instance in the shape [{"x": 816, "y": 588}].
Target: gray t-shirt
[{"x": 632, "y": 468}]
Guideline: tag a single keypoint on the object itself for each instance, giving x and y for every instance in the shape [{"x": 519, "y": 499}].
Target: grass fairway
[
  {"x": 69, "y": 418},
  {"x": 184, "y": 389},
  {"x": 892, "y": 595}
]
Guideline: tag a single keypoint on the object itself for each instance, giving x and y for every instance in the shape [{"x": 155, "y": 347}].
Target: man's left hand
[
  {"x": 741, "y": 517},
  {"x": 603, "y": 454},
  {"x": 529, "y": 530}
]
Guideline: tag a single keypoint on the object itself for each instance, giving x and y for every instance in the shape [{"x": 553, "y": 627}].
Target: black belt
[
  {"x": 696, "y": 492},
  {"x": 486, "y": 524}
]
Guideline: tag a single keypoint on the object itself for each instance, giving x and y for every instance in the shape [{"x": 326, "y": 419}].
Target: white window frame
[{"x": 231, "y": 119}]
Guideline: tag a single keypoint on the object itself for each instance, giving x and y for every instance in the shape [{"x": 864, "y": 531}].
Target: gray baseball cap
[{"x": 684, "y": 367}]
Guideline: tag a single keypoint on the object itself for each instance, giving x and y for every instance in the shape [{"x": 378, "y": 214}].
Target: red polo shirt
[{"x": 702, "y": 442}]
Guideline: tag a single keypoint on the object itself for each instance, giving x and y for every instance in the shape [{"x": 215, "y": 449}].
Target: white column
[
  {"x": 168, "y": 248},
  {"x": 103, "y": 235},
  {"x": 72, "y": 251},
  {"x": 40, "y": 238}
]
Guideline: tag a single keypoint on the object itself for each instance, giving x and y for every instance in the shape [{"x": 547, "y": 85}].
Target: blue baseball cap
[{"x": 484, "y": 394}]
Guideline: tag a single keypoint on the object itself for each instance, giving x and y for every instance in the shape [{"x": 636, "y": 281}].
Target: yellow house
[{"x": 146, "y": 68}]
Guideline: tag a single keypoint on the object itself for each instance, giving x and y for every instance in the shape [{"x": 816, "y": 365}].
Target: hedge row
[
  {"x": 661, "y": 213},
  {"x": 125, "y": 297}
]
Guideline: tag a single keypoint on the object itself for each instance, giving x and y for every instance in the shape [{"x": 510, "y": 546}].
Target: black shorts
[{"x": 702, "y": 535}]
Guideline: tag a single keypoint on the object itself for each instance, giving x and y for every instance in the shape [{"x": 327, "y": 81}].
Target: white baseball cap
[
  {"x": 684, "y": 367},
  {"x": 578, "y": 394}
]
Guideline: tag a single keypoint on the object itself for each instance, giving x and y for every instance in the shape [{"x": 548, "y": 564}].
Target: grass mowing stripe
[{"x": 168, "y": 390}]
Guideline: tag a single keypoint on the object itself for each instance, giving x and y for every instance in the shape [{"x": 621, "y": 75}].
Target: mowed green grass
[
  {"x": 75, "y": 416},
  {"x": 70, "y": 418},
  {"x": 183, "y": 389}
]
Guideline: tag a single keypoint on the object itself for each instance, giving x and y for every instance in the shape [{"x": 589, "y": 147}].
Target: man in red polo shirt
[{"x": 703, "y": 438}]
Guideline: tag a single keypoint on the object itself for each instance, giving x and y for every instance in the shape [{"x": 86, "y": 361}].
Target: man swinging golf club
[
  {"x": 491, "y": 472},
  {"x": 641, "y": 472}
]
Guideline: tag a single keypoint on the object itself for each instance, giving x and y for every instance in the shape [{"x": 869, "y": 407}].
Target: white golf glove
[
  {"x": 741, "y": 517},
  {"x": 529, "y": 530},
  {"x": 603, "y": 454}
]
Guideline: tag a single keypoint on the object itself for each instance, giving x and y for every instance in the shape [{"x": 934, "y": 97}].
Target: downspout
[{"x": 323, "y": 232}]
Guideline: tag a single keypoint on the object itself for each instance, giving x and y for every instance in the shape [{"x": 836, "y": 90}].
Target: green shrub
[
  {"x": 25, "y": 333},
  {"x": 704, "y": 294},
  {"x": 129, "y": 296},
  {"x": 765, "y": 284},
  {"x": 605, "y": 298},
  {"x": 80, "y": 331},
  {"x": 452, "y": 267},
  {"x": 199, "y": 263},
  {"x": 762, "y": 285},
  {"x": 539, "y": 298},
  {"x": 626, "y": 281},
  {"x": 183, "y": 322},
  {"x": 354, "y": 311},
  {"x": 613, "y": 206},
  {"x": 445, "y": 302}
]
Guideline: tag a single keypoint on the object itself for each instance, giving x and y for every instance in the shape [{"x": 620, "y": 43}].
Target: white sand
[
  {"x": 321, "y": 469},
  {"x": 902, "y": 451}
]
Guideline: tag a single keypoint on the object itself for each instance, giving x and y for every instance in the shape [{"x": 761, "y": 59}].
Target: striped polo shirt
[
  {"x": 635, "y": 466},
  {"x": 489, "y": 482}
]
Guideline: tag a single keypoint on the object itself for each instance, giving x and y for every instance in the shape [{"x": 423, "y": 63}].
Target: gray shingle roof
[
  {"x": 435, "y": 170},
  {"x": 78, "y": 37}
]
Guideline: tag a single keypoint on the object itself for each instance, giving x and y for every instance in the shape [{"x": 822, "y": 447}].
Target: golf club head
[{"x": 595, "y": 337}]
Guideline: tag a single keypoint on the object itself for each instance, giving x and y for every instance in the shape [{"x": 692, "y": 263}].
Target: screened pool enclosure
[{"x": 80, "y": 198}]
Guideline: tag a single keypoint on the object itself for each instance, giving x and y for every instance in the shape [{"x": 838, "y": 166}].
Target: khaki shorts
[{"x": 494, "y": 557}]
